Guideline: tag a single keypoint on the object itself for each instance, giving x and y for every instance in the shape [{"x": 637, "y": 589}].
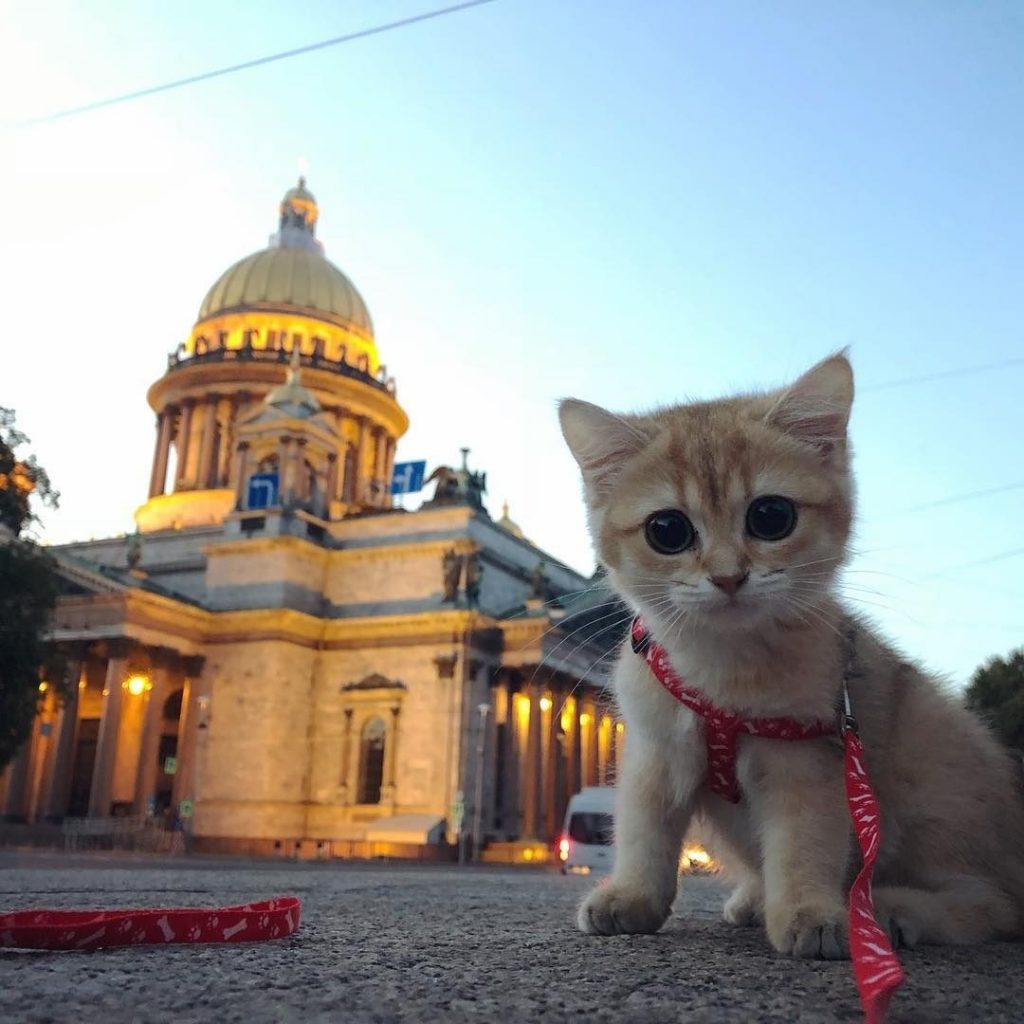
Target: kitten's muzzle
[{"x": 729, "y": 584}]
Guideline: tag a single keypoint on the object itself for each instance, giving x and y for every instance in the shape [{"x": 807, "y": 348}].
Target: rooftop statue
[{"x": 461, "y": 486}]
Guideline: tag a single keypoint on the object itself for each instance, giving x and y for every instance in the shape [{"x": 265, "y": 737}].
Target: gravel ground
[{"x": 408, "y": 943}]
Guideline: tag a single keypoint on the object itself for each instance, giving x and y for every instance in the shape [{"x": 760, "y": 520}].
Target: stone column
[
  {"x": 380, "y": 460},
  {"x": 593, "y": 756},
  {"x": 192, "y": 720},
  {"x": 284, "y": 470},
  {"x": 332, "y": 484},
  {"x": 152, "y": 726},
  {"x": 184, "y": 443},
  {"x": 101, "y": 793},
  {"x": 55, "y": 800},
  {"x": 243, "y": 474},
  {"x": 389, "y": 470},
  {"x": 226, "y": 412},
  {"x": 516, "y": 753},
  {"x": 553, "y": 779},
  {"x": 300, "y": 479},
  {"x": 165, "y": 427},
  {"x": 531, "y": 775},
  {"x": 346, "y": 758},
  {"x": 339, "y": 483},
  {"x": 129, "y": 746},
  {"x": 16, "y": 797},
  {"x": 390, "y": 790},
  {"x": 575, "y": 772},
  {"x": 360, "y": 485},
  {"x": 206, "y": 450}
]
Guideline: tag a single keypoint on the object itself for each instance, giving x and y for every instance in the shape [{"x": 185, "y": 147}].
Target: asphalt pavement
[{"x": 398, "y": 942}]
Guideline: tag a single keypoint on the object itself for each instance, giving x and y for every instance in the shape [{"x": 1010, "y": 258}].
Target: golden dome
[
  {"x": 288, "y": 280},
  {"x": 291, "y": 275}
]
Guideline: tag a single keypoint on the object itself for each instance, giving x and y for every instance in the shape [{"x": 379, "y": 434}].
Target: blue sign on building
[
  {"x": 262, "y": 490},
  {"x": 408, "y": 477}
]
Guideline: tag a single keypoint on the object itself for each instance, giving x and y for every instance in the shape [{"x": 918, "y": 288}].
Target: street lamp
[{"x": 479, "y": 796}]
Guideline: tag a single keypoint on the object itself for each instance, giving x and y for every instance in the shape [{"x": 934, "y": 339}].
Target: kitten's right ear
[{"x": 600, "y": 442}]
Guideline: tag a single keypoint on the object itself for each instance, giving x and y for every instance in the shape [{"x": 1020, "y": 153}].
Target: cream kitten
[{"x": 724, "y": 524}]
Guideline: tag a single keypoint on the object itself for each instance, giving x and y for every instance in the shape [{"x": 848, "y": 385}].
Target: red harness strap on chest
[
  {"x": 721, "y": 727},
  {"x": 876, "y": 967},
  {"x": 99, "y": 929}
]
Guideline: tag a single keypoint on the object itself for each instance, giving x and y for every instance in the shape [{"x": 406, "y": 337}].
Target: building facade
[{"x": 279, "y": 655}]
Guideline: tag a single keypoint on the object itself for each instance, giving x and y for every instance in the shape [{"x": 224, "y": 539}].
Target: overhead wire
[
  {"x": 925, "y": 378},
  {"x": 955, "y": 499},
  {"x": 245, "y": 65}
]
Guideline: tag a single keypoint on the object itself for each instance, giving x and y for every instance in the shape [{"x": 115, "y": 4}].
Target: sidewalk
[{"x": 417, "y": 944}]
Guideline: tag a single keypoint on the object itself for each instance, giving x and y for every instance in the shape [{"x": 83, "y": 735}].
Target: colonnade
[
  {"x": 550, "y": 743},
  {"x": 99, "y": 750},
  {"x": 201, "y": 432}
]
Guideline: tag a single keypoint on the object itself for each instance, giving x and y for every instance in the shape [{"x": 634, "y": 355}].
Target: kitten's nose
[{"x": 729, "y": 584}]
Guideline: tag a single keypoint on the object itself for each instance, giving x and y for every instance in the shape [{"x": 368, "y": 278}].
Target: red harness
[{"x": 876, "y": 967}]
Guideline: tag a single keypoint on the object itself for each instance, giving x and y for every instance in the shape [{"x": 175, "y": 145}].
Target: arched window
[{"x": 371, "y": 761}]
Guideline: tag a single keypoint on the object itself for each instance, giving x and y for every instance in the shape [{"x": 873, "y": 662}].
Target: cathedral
[{"x": 282, "y": 659}]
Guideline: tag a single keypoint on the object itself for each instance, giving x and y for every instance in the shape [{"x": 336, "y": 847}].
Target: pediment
[
  {"x": 75, "y": 579},
  {"x": 374, "y": 681}
]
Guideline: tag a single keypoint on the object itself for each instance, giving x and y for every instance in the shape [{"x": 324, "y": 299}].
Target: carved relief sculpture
[{"x": 451, "y": 568}]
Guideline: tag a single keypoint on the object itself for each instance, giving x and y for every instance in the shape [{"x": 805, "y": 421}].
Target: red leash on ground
[
  {"x": 876, "y": 968},
  {"x": 101, "y": 929}
]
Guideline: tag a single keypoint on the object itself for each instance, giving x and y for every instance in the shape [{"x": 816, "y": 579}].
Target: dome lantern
[{"x": 298, "y": 216}]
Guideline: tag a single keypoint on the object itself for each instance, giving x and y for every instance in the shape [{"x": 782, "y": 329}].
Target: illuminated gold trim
[{"x": 182, "y": 509}]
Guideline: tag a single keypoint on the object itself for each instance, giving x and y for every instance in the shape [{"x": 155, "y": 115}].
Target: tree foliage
[
  {"x": 996, "y": 692},
  {"x": 21, "y": 479},
  {"x": 28, "y": 590}
]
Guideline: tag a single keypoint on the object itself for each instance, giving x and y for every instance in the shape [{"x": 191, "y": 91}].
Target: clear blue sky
[{"x": 629, "y": 202}]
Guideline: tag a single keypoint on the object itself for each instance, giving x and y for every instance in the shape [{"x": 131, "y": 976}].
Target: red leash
[
  {"x": 876, "y": 967},
  {"x": 101, "y": 929}
]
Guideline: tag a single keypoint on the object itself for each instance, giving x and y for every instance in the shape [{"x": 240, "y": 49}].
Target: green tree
[
  {"x": 996, "y": 692},
  {"x": 28, "y": 590}
]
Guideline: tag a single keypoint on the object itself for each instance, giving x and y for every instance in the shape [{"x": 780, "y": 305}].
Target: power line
[
  {"x": 1001, "y": 556},
  {"x": 954, "y": 499},
  {"x": 942, "y": 375},
  {"x": 206, "y": 75}
]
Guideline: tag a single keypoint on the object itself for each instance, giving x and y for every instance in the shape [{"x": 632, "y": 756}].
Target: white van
[{"x": 586, "y": 841}]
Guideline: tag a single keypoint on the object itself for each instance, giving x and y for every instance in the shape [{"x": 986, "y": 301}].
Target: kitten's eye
[
  {"x": 669, "y": 532},
  {"x": 771, "y": 518}
]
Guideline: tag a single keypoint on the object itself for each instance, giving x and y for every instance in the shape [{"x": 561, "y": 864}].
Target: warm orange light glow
[
  {"x": 528, "y": 854},
  {"x": 619, "y": 727},
  {"x": 695, "y": 856},
  {"x": 545, "y": 703},
  {"x": 258, "y": 326},
  {"x": 565, "y": 721},
  {"x": 563, "y": 849},
  {"x": 137, "y": 685},
  {"x": 584, "y": 719},
  {"x": 43, "y": 687}
]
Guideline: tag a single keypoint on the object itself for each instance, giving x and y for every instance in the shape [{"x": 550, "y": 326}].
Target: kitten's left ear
[
  {"x": 600, "y": 442},
  {"x": 815, "y": 409}
]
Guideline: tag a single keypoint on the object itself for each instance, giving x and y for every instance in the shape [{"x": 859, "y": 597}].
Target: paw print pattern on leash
[{"x": 85, "y": 930}]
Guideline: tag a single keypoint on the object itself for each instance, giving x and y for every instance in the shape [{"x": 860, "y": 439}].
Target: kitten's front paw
[
  {"x": 615, "y": 910},
  {"x": 809, "y": 932},
  {"x": 745, "y": 907},
  {"x": 897, "y": 920}
]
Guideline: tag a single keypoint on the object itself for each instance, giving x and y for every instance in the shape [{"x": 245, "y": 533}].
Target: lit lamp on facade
[
  {"x": 137, "y": 685},
  {"x": 545, "y": 703}
]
